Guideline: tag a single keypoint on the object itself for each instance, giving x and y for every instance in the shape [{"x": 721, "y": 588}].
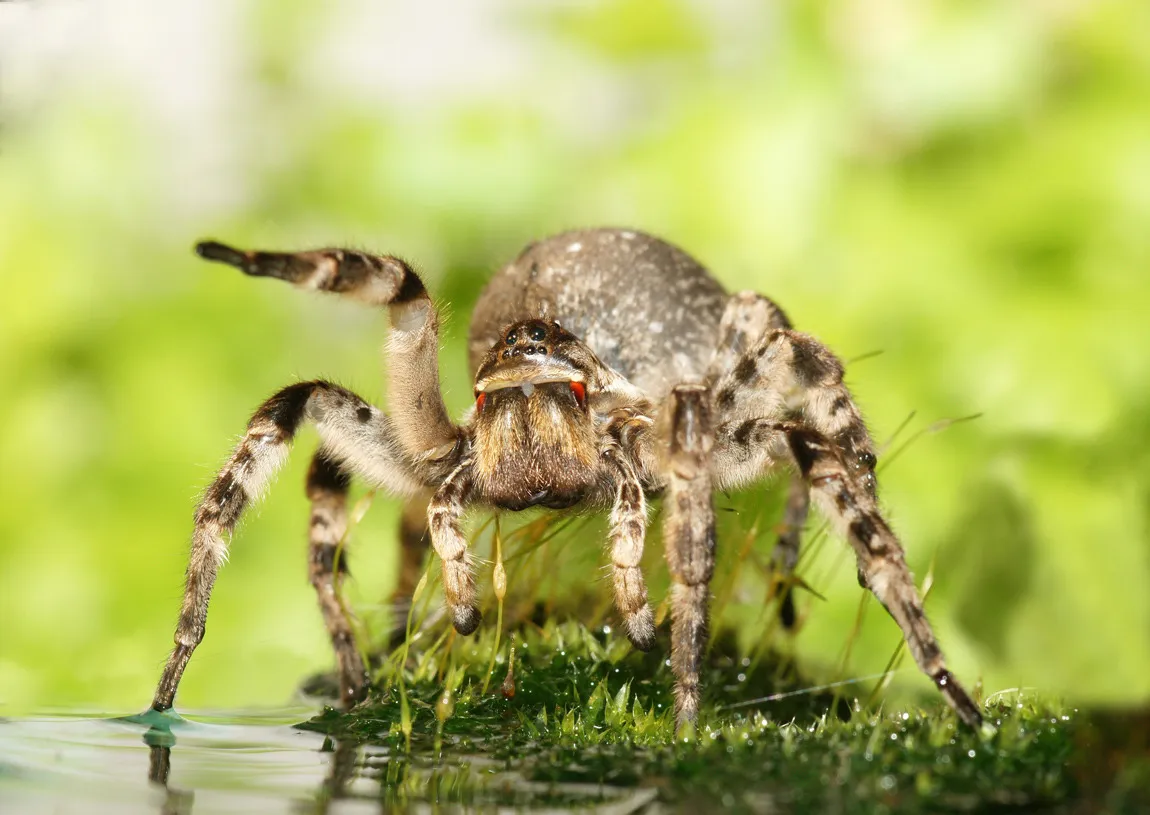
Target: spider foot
[
  {"x": 466, "y": 619},
  {"x": 641, "y": 628},
  {"x": 353, "y": 689},
  {"x": 959, "y": 699},
  {"x": 221, "y": 253}
]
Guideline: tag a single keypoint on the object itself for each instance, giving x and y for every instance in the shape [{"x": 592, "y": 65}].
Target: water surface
[
  {"x": 254, "y": 761},
  {"x": 212, "y": 763}
]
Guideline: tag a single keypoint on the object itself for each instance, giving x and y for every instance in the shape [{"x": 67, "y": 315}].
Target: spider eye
[
  {"x": 512, "y": 337},
  {"x": 538, "y": 333},
  {"x": 579, "y": 391},
  {"x": 479, "y": 400}
]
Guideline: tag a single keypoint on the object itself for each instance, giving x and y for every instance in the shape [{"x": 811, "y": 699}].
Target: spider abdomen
[{"x": 646, "y": 308}]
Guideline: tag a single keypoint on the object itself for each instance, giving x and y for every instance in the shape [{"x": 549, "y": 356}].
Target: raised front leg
[
  {"x": 413, "y": 398},
  {"x": 353, "y": 433},
  {"x": 689, "y": 540}
]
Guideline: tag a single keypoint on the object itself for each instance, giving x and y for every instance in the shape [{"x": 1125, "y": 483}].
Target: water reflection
[
  {"x": 83, "y": 764},
  {"x": 150, "y": 764},
  {"x": 344, "y": 764},
  {"x": 160, "y": 741}
]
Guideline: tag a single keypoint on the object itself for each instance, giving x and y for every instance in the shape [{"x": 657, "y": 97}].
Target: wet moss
[{"x": 585, "y": 719}]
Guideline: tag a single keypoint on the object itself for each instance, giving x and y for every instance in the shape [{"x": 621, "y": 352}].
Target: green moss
[{"x": 591, "y": 720}]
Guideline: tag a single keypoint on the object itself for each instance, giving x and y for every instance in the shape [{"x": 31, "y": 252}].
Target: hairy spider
[{"x": 610, "y": 367}]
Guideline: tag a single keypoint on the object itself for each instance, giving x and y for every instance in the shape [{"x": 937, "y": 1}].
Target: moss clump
[{"x": 583, "y": 720}]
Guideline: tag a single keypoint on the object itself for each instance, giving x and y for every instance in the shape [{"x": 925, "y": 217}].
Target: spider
[{"x": 610, "y": 367}]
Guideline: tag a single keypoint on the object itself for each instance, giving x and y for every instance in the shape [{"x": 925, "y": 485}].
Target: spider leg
[
  {"x": 327, "y": 485},
  {"x": 353, "y": 433},
  {"x": 444, "y": 519},
  {"x": 747, "y": 319},
  {"x": 414, "y": 398},
  {"x": 792, "y": 376},
  {"x": 786, "y": 554},
  {"x": 628, "y": 530},
  {"x": 414, "y": 538},
  {"x": 855, "y": 514},
  {"x": 790, "y": 383},
  {"x": 689, "y": 539}
]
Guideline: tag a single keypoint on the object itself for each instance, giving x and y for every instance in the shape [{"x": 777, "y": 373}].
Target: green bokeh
[{"x": 964, "y": 187}]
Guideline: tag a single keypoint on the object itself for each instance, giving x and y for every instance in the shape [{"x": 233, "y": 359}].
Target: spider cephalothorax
[
  {"x": 610, "y": 367},
  {"x": 533, "y": 439}
]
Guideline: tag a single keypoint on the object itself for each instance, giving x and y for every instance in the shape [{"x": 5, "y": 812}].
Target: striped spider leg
[
  {"x": 784, "y": 401},
  {"x": 403, "y": 453}
]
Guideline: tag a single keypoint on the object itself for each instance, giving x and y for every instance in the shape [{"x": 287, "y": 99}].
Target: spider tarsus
[
  {"x": 222, "y": 253},
  {"x": 353, "y": 694},
  {"x": 166, "y": 691},
  {"x": 963, "y": 705},
  {"x": 466, "y": 619},
  {"x": 641, "y": 629}
]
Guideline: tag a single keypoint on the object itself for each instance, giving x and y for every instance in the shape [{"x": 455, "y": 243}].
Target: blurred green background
[{"x": 963, "y": 186}]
